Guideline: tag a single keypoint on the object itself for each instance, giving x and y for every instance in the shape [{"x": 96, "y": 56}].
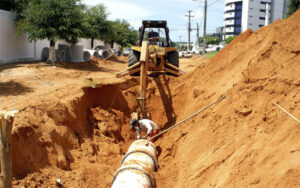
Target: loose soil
[{"x": 77, "y": 134}]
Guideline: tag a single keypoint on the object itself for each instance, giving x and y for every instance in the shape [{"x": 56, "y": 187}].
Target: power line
[{"x": 212, "y": 3}]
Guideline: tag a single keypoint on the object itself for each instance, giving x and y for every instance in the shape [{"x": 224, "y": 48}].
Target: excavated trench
[{"x": 89, "y": 134}]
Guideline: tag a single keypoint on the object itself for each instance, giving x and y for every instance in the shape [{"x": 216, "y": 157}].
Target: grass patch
[{"x": 210, "y": 54}]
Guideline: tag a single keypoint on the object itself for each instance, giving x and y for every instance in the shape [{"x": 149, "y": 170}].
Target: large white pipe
[
  {"x": 94, "y": 53},
  {"x": 137, "y": 166},
  {"x": 86, "y": 56},
  {"x": 104, "y": 54},
  {"x": 45, "y": 54},
  {"x": 64, "y": 52}
]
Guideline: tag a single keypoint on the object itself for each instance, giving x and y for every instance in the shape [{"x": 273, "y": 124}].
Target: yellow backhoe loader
[{"x": 153, "y": 56}]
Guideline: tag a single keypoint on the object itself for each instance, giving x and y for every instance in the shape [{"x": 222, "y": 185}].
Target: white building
[{"x": 240, "y": 15}]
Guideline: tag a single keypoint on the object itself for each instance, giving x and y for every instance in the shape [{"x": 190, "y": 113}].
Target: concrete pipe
[
  {"x": 130, "y": 177},
  {"x": 137, "y": 166},
  {"x": 86, "y": 56},
  {"x": 91, "y": 52},
  {"x": 104, "y": 54},
  {"x": 96, "y": 54},
  {"x": 76, "y": 53},
  {"x": 187, "y": 55},
  {"x": 45, "y": 54},
  {"x": 64, "y": 52}
]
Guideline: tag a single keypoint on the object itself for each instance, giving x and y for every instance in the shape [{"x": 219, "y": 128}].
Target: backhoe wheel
[
  {"x": 173, "y": 58},
  {"x": 133, "y": 58}
]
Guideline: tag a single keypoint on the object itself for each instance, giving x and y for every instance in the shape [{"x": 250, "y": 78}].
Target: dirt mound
[{"x": 244, "y": 140}]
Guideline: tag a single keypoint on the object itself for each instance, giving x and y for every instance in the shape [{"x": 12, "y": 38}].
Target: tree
[
  {"x": 229, "y": 39},
  {"x": 7, "y": 5},
  {"x": 293, "y": 6},
  {"x": 53, "y": 20},
  {"x": 96, "y": 25},
  {"x": 210, "y": 40},
  {"x": 122, "y": 33}
]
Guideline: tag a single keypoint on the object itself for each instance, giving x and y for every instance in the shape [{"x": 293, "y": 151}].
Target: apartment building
[{"x": 240, "y": 15}]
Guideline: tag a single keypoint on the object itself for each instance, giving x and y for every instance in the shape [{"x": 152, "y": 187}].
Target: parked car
[
  {"x": 127, "y": 51},
  {"x": 185, "y": 54},
  {"x": 213, "y": 48}
]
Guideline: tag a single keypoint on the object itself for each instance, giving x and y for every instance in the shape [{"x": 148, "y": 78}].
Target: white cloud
[
  {"x": 123, "y": 10},
  {"x": 174, "y": 11}
]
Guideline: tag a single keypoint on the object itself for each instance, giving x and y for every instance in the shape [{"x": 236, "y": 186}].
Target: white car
[
  {"x": 126, "y": 52},
  {"x": 214, "y": 48},
  {"x": 185, "y": 54}
]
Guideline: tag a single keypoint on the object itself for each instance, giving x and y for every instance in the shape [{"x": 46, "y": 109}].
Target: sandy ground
[
  {"x": 51, "y": 136},
  {"x": 65, "y": 130}
]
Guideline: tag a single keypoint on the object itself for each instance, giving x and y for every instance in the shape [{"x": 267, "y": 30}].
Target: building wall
[
  {"x": 279, "y": 8},
  {"x": 257, "y": 13},
  {"x": 17, "y": 48},
  {"x": 253, "y": 14},
  {"x": 245, "y": 18},
  {"x": 233, "y": 17}
]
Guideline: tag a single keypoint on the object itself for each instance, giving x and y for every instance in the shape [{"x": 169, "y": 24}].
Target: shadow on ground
[
  {"x": 83, "y": 66},
  {"x": 13, "y": 88},
  {"x": 166, "y": 96}
]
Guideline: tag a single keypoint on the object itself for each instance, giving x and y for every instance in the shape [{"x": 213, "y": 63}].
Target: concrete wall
[
  {"x": 255, "y": 13},
  {"x": 279, "y": 8},
  {"x": 17, "y": 48}
]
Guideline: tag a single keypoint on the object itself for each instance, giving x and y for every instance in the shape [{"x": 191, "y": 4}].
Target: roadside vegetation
[{"x": 210, "y": 54}]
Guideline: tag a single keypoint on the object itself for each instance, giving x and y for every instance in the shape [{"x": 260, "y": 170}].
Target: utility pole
[
  {"x": 197, "y": 35},
  {"x": 180, "y": 38},
  {"x": 198, "y": 31},
  {"x": 204, "y": 26},
  {"x": 189, "y": 29}
]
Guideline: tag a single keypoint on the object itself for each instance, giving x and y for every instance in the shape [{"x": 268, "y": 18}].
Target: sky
[{"x": 174, "y": 11}]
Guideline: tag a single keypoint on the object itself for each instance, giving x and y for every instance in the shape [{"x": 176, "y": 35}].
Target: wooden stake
[{"x": 6, "y": 123}]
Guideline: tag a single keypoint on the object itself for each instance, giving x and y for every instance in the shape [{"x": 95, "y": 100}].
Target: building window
[
  {"x": 237, "y": 29},
  {"x": 262, "y": 18},
  {"x": 261, "y": 25},
  {"x": 239, "y": 6},
  {"x": 237, "y": 22},
  {"x": 238, "y": 14}
]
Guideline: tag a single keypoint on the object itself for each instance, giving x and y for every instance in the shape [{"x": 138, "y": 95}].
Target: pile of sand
[{"x": 244, "y": 140}]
